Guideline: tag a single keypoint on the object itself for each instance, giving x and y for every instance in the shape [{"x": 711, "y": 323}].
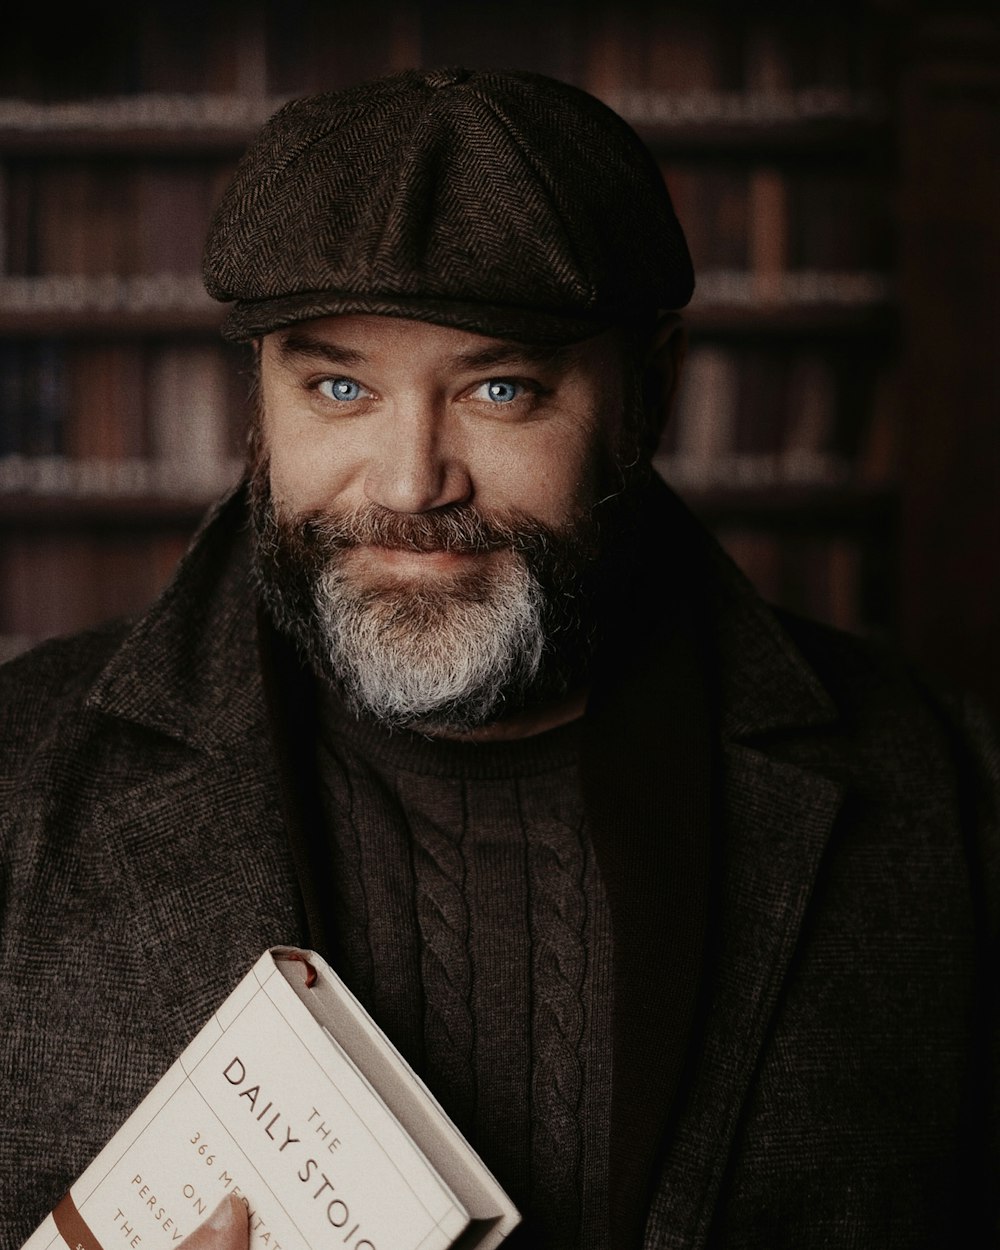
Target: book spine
[{"x": 189, "y": 420}]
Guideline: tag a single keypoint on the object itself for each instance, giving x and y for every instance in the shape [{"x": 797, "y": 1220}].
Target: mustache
[{"x": 462, "y": 528}]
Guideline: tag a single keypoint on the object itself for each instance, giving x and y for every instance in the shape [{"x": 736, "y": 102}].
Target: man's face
[{"x": 426, "y": 496}]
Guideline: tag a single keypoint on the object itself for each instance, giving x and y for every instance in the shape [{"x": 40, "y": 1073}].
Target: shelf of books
[
  {"x": 776, "y": 138},
  {"x": 121, "y": 412}
]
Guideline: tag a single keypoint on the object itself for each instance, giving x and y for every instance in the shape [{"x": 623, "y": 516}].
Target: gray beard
[
  {"x": 447, "y": 655},
  {"x": 435, "y": 658}
]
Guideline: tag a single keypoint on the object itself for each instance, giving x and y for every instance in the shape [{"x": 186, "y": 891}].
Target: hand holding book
[
  {"x": 293, "y": 1106},
  {"x": 225, "y": 1229}
]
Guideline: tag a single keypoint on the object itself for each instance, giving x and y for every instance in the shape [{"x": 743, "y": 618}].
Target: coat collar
[
  {"x": 774, "y": 809},
  {"x": 196, "y": 827},
  {"x": 695, "y": 678},
  {"x": 189, "y": 668}
]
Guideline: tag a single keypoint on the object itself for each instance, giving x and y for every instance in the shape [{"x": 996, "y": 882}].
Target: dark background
[{"x": 835, "y": 170}]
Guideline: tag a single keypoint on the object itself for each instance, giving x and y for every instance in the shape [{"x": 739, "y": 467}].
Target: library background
[{"x": 834, "y": 169}]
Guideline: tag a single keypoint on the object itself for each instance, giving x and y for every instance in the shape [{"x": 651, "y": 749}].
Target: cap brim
[{"x": 250, "y": 319}]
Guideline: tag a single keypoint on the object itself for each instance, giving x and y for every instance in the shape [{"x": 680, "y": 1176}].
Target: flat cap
[{"x": 505, "y": 203}]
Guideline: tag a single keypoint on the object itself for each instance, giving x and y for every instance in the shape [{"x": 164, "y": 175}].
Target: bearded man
[{"x": 684, "y": 910}]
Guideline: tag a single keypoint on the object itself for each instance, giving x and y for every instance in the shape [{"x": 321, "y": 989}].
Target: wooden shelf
[
  {"x": 57, "y": 512},
  {"x": 814, "y": 140},
  {"x": 744, "y": 320},
  {"x": 817, "y": 140},
  {"x": 140, "y": 125},
  {"x": 116, "y": 305},
  {"x": 149, "y": 141},
  {"x": 806, "y": 506},
  {"x": 152, "y": 125},
  {"x": 111, "y": 323},
  {"x": 791, "y": 320}
]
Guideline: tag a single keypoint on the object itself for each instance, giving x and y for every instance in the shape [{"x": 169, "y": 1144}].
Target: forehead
[{"x": 412, "y": 346}]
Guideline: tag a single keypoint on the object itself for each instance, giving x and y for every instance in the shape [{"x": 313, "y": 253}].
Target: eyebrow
[
  {"x": 298, "y": 344},
  {"x": 512, "y": 354}
]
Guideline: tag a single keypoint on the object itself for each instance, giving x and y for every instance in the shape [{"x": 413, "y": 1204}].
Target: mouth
[{"x": 408, "y": 562}]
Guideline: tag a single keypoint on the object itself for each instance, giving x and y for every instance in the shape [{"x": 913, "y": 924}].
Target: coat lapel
[
  {"x": 651, "y": 830},
  {"x": 206, "y": 880},
  {"x": 198, "y": 833},
  {"x": 776, "y": 821},
  {"x": 773, "y": 818}
]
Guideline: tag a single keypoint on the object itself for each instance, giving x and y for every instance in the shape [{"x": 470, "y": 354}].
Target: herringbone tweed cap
[{"x": 508, "y": 204}]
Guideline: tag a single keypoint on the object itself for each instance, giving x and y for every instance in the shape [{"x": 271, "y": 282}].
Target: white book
[{"x": 294, "y": 1099}]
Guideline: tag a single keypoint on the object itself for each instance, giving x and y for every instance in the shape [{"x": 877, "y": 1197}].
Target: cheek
[
  {"x": 555, "y": 477},
  {"x": 309, "y": 468}
]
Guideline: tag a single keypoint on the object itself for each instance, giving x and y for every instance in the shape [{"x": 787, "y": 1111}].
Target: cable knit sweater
[{"x": 472, "y": 922}]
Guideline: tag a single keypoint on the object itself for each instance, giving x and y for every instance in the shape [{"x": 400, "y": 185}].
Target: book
[
  {"x": 46, "y": 581},
  {"x": 11, "y": 396},
  {"x": 189, "y": 402},
  {"x": 228, "y": 53},
  {"x": 105, "y": 409},
  {"x": 174, "y": 200},
  {"x": 32, "y": 385},
  {"x": 767, "y": 244},
  {"x": 705, "y": 420},
  {"x": 292, "y": 1098},
  {"x": 712, "y": 204},
  {"x": 63, "y": 576}
]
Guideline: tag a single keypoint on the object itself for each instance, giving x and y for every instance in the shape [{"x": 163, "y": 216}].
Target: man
[{"x": 685, "y": 912}]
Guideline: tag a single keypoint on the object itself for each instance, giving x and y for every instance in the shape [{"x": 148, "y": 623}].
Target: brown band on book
[
  {"x": 300, "y": 958},
  {"x": 73, "y": 1227}
]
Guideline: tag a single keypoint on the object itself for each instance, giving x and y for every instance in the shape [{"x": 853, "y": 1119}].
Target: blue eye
[
  {"x": 500, "y": 392},
  {"x": 342, "y": 389}
]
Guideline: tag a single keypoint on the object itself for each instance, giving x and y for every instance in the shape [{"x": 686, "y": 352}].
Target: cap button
[{"x": 446, "y": 77}]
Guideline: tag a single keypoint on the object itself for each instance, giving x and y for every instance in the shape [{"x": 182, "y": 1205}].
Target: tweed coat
[{"x": 816, "y": 1059}]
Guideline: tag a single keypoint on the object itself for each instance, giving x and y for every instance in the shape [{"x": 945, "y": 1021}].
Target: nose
[{"x": 418, "y": 465}]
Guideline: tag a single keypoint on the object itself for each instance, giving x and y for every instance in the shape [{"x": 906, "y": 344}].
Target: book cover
[{"x": 292, "y": 1098}]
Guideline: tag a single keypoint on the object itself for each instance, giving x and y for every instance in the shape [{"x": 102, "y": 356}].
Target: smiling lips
[{"x": 405, "y": 560}]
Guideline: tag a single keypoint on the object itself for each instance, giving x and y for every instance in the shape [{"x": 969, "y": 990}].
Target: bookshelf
[{"x": 783, "y": 137}]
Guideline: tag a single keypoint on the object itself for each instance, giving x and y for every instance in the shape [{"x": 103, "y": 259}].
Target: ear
[{"x": 662, "y": 372}]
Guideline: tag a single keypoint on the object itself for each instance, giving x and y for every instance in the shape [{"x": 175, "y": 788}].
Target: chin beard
[{"x": 448, "y": 653}]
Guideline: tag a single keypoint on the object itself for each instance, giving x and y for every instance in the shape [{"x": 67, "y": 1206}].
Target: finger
[{"x": 227, "y": 1228}]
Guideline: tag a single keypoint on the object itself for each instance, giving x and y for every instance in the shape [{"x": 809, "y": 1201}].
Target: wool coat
[{"x": 799, "y": 840}]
